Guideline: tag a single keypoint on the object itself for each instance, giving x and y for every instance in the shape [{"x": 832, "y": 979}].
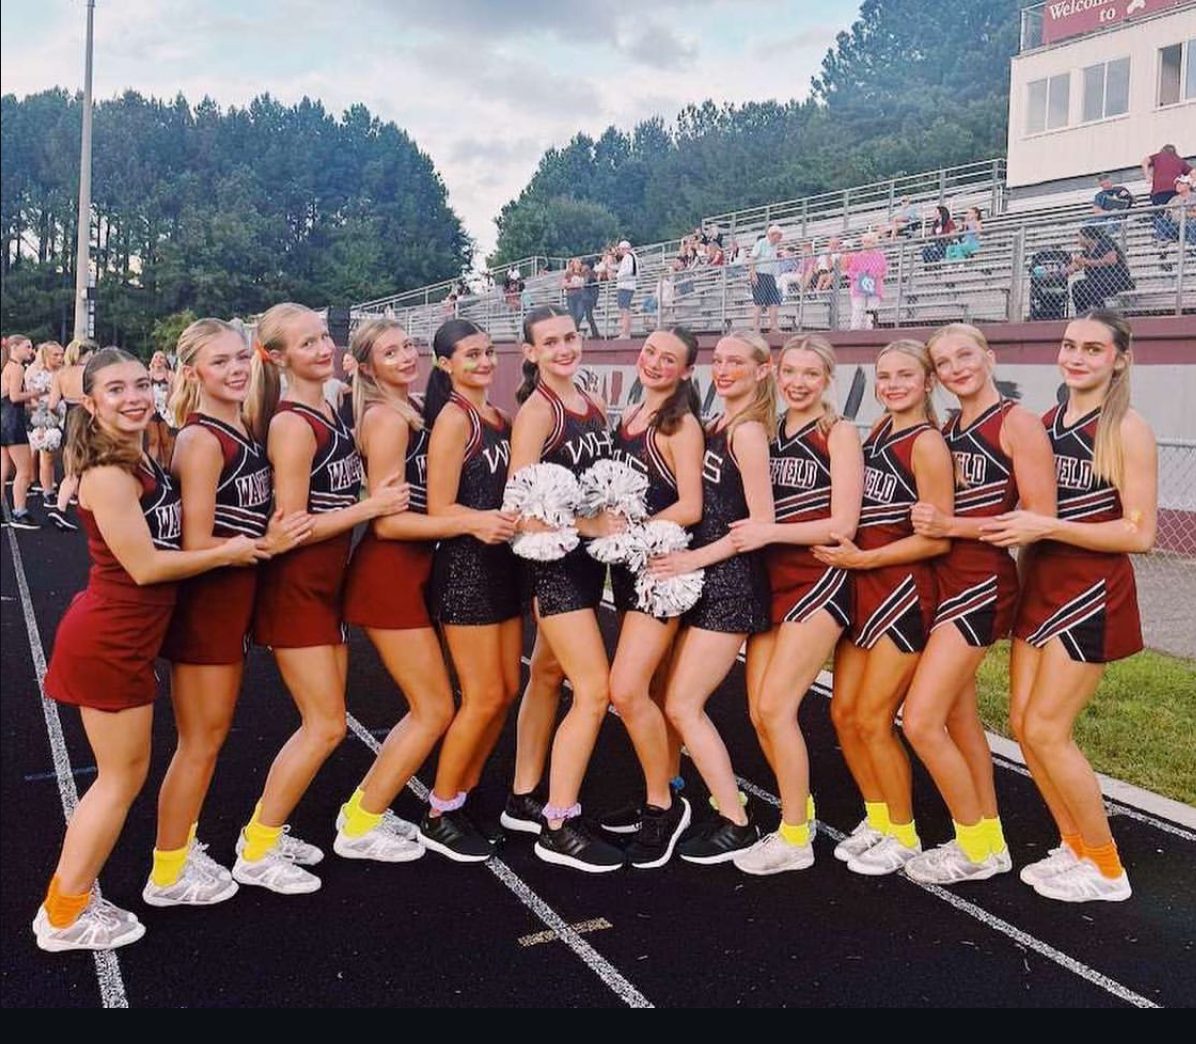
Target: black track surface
[{"x": 433, "y": 933}]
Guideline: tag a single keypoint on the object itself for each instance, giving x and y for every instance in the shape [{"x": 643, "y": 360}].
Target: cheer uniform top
[
  {"x": 299, "y": 593},
  {"x": 735, "y": 598},
  {"x": 977, "y": 583},
  {"x": 387, "y": 585},
  {"x": 800, "y": 467},
  {"x": 214, "y": 613},
  {"x": 112, "y": 631},
  {"x": 641, "y": 453},
  {"x": 13, "y": 429},
  {"x": 577, "y": 441},
  {"x": 474, "y": 583},
  {"x": 1086, "y": 599},
  {"x": 897, "y": 600}
]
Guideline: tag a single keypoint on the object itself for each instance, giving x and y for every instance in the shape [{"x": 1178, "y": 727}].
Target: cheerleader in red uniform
[
  {"x": 905, "y": 461},
  {"x": 298, "y": 609},
  {"x": 103, "y": 660},
  {"x": 224, "y": 480},
  {"x": 817, "y": 483},
  {"x": 1001, "y": 455},
  {"x": 1079, "y": 607}
]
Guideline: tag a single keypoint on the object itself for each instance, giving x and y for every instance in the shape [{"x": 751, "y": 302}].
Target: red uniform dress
[
  {"x": 800, "y": 465},
  {"x": 214, "y": 612},
  {"x": 299, "y": 593},
  {"x": 977, "y": 583},
  {"x": 106, "y": 643},
  {"x": 896, "y": 600},
  {"x": 1086, "y": 599},
  {"x": 387, "y": 585}
]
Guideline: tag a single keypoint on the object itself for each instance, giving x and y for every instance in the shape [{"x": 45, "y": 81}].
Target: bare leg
[{"x": 537, "y": 716}]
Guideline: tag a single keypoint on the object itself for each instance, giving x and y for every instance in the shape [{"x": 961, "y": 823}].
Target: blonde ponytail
[
  {"x": 763, "y": 407},
  {"x": 184, "y": 399},
  {"x": 1108, "y": 462},
  {"x": 265, "y": 380}
]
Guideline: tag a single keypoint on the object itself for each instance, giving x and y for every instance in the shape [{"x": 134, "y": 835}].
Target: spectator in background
[
  {"x": 448, "y": 307},
  {"x": 512, "y": 289},
  {"x": 942, "y": 232},
  {"x": 625, "y": 283},
  {"x": 1105, "y": 270},
  {"x": 1161, "y": 170},
  {"x": 714, "y": 235},
  {"x": 590, "y": 300},
  {"x": 573, "y": 283},
  {"x": 734, "y": 253},
  {"x": 714, "y": 254},
  {"x": 906, "y": 221},
  {"x": 969, "y": 242},
  {"x": 828, "y": 265},
  {"x": 1167, "y": 223},
  {"x": 763, "y": 269},
  {"x": 1111, "y": 201},
  {"x": 866, "y": 270}
]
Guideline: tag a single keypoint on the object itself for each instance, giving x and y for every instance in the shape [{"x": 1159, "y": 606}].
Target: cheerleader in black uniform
[
  {"x": 298, "y": 609},
  {"x": 1001, "y": 455},
  {"x": 475, "y": 581},
  {"x": 15, "y": 455},
  {"x": 735, "y": 599},
  {"x": 817, "y": 483},
  {"x": 905, "y": 461},
  {"x": 1079, "y": 608}
]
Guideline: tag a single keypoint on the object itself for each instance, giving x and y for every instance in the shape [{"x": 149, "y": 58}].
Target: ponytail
[
  {"x": 87, "y": 444},
  {"x": 531, "y": 377},
  {"x": 763, "y": 407},
  {"x": 440, "y": 384},
  {"x": 184, "y": 399},
  {"x": 684, "y": 399},
  {"x": 365, "y": 388},
  {"x": 530, "y": 370},
  {"x": 1107, "y": 459},
  {"x": 265, "y": 381}
]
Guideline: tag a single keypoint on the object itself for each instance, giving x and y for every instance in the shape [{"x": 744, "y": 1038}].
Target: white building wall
[{"x": 1109, "y": 144}]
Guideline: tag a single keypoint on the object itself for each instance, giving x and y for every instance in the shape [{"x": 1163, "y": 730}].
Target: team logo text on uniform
[
  {"x": 253, "y": 490},
  {"x": 970, "y": 468},
  {"x": 792, "y": 473},
  {"x": 1073, "y": 473},
  {"x": 594, "y": 444},
  {"x": 879, "y": 486},
  {"x": 344, "y": 474},
  {"x": 712, "y": 467},
  {"x": 497, "y": 456}
]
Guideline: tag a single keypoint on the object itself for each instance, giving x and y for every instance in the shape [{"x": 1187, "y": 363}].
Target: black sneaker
[
  {"x": 576, "y": 845},
  {"x": 523, "y": 813},
  {"x": 454, "y": 835},
  {"x": 24, "y": 520},
  {"x": 60, "y": 520},
  {"x": 718, "y": 841},
  {"x": 626, "y": 818},
  {"x": 653, "y": 844}
]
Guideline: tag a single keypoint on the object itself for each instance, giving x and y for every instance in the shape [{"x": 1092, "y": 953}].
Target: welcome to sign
[{"x": 1065, "y": 18}]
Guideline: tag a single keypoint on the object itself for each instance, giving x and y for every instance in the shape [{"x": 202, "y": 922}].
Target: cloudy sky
[{"x": 484, "y": 86}]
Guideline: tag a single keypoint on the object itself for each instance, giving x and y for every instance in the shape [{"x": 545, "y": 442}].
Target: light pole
[{"x": 83, "y": 241}]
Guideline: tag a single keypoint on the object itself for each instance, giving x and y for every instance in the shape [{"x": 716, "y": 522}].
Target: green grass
[{"x": 1140, "y": 727}]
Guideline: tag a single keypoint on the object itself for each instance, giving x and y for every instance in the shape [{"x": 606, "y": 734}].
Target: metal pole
[
  {"x": 1014, "y": 308},
  {"x": 900, "y": 281},
  {"x": 83, "y": 239},
  {"x": 1179, "y": 264}
]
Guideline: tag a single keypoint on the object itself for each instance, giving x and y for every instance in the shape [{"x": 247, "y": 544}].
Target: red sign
[{"x": 1064, "y": 18}]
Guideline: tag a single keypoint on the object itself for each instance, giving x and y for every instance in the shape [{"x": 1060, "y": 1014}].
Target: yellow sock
[
  {"x": 259, "y": 838},
  {"x": 798, "y": 834},
  {"x": 996, "y": 835},
  {"x": 810, "y": 814},
  {"x": 973, "y": 840},
  {"x": 357, "y": 820},
  {"x": 877, "y": 814},
  {"x": 905, "y": 833},
  {"x": 168, "y": 865}
]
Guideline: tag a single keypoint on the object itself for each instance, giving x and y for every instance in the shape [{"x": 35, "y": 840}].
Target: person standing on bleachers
[
  {"x": 865, "y": 270},
  {"x": 763, "y": 269},
  {"x": 1161, "y": 170},
  {"x": 625, "y": 283},
  {"x": 1106, "y": 271}
]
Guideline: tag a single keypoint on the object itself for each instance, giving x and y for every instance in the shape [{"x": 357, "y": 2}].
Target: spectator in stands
[
  {"x": 593, "y": 289},
  {"x": 789, "y": 272},
  {"x": 714, "y": 234},
  {"x": 827, "y": 266},
  {"x": 942, "y": 232},
  {"x": 1180, "y": 211},
  {"x": 906, "y": 221},
  {"x": 573, "y": 283},
  {"x": 448, "y": 307},
  {"x": 1161, "y": 170},
  {"x": 512, "y": 289},
  {"x": 625, "y": 283},
  {"x": 1111, "y": 201},
  {"x": 1105, "y": 269},
  {"x": 763, "y": 268},
  {"x": 865, "y": 271},
  {"x": 734, "y": 253},
  {"x": 969, "y": 242},
  {"x": 714, "y": 254}
]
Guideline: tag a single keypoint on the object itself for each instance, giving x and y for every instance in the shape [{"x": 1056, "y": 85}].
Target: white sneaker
[
  {"x": 887, "y": 856},
  {"x": 948, "y": 864},
  {"x": 1057, "y": 860},
  {"x": 772, "y": 854},
  {"x": 379, "y": 844},
  {"x": 196, "y": 886},
  {"x": 862, "y": 838},
  {"x": 397, "y": 825},
  {"x": 1084, "y": 883},
  {"x": 199, "y": 856},
  {"x": 294, "y": 849},
  {"x": 1004, "y": 860},
  {"x": 101, "y": 926},
  {"x": 277, "y": 872}
]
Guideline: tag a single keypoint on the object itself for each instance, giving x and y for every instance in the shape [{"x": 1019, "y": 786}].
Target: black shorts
[
  {"x": 735, "y": 597},
  {"x": 568, "y": 584},
  {"x": 13, "y": 429},
  {"x": 765, "y": 292}
]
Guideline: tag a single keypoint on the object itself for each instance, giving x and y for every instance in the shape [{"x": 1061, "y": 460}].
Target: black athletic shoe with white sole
[
  {"x": 576, "y": 845},
  {"x": 523, "y": 813},
  {"x": 23, "y": 520},
  {"x": 626, "y": 818},
  {"x": 455, "y": 836},
  {"x": 659, "y": 830},
  {"x": 718, "y": 841},
  {"x": 60, "y": 520}
]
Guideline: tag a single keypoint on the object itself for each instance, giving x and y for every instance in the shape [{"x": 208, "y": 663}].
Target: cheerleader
[
  {"x": 45, "y": 418},
  {"x": 1001, "y": 454},
  {"x": 817, "y": 483},
  {"x": 1079, "y": 607},
  {"x": 734, "y": 600},
  {"x": 386, "y": 590},
  {"x": 662, "y": 439},
  {"x": 14, "y": 432},
  {"x": 298, "y": 607},
  {"x": 905, "y": 461},
  {"x": 103, "y": 659},
  {"x": 66, "y": 393},
  {"x": 475, "y": 583},
  {"x": 160, "y": 433},
  {"x": 223, "y": 478}
]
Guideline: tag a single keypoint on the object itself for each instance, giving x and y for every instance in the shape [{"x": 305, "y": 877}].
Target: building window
[
  {"x": 1106, "y": 89},
  {"x": 1048, "y": 104},
  {"x": 1177, "y": 73}
]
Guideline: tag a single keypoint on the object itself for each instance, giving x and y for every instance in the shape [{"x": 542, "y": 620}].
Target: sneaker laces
[
  {"x": 204, "y": 863},
  {"x": 106, "y": 914}
]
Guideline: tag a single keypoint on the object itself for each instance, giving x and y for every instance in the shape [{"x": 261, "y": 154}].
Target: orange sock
[
  {"x": 1107, "y": 861},
  {"x": 1076, "y": 843},
  {"x": 63, "y": 910}
]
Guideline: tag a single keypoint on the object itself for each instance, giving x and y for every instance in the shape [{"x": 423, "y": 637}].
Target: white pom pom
[
  {"x": 545, "y": 547},
  {"x": 549, "y": 493},
  {"x": 663, "y": 598},
  {"x": 613, "y": 549},
  {"x": 611, "y": 485}
]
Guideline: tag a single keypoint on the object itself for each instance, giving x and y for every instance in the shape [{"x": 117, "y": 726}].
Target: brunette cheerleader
[
  {"x": 104, "y": 650},
  {"x": 1079, "y": 607}
]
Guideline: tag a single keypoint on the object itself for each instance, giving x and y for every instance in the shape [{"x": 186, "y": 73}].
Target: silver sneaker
[
  {"x": 948, "y": 864},
  {"x": 887, "y": 856},
  {"x": 862, "y": 838},
  {"x": 772, "y": 854},
  {"x": 199, "y": 856},
  {"x": 379, "y": 844},
  {"x": 1057, "y": 860},
  {"x": 292, "y": 848},
  {"x": 101, "y": 926},
  {"x": 276, "y": 872},
  {"x": 1084, "y": 883},
  {"x": 397, "y": 825},
  {"x": 196, "y": 886}
]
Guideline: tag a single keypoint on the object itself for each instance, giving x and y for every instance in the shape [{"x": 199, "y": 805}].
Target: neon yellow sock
[
  {"x": 810, "y": 813},
  {"x": 259, "y": 838},
  {"x": 358, "y": 821},
  {"x": 996, "y": 836},
  {"x": 906, "y": 833},
  {"x": 973, "y": 840},
  {"x": 877, "y": 814},
  {"x": 168, "y": 865},
  {"x": 798, "y": 834}
]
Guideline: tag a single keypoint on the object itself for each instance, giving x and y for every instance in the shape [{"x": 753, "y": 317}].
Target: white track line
[
  {"x": 590, "y": 957},
  {"x": 112, "y": 984}
]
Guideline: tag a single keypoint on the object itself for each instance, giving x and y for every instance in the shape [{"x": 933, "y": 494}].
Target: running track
[{"x": 519, "y": 933}]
